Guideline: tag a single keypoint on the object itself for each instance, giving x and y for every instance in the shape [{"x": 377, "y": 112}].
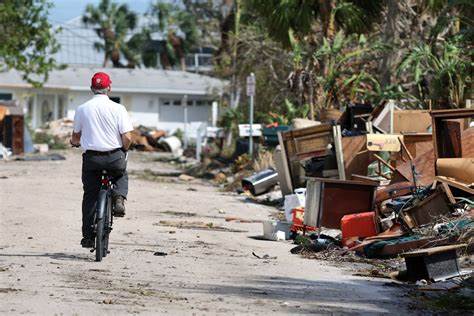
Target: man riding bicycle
[{"x": 102, "y": 128}]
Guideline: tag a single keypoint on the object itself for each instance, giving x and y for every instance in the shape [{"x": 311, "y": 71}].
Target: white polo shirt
[{"x": 101, "y": 123}]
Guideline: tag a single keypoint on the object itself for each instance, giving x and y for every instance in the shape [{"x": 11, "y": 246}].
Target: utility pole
[{"x": 251, "y": 94}]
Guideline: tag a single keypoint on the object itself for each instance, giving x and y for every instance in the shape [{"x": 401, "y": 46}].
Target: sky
[{"x": 65, "y": 10}]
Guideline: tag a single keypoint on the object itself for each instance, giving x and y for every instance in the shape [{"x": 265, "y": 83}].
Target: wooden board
[
  {"x": 411, "y": 121},
  {"x": 433, "y": 250},
  {"x": 356, "y": 157},
  {"x": 461, "y": 169},
  {"x": 455, "y": 184}
]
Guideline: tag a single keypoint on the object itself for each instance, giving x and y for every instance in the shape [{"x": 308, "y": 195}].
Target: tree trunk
[
  {"x": 106, "y": 60},
  {"x": 390, "y": 36},
  {"x": 311, "y": 96},
  {"x": 326, "y": 13}
]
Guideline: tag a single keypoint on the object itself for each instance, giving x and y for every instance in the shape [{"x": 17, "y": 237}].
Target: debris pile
[{"x": 393, "y": 183}]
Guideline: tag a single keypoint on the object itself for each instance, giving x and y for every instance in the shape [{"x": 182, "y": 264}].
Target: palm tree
[
  {"x": 442, "y": 77},
  {"x": 112, "y": 22},
  {"x": 180, "y": 29},
  {"x": 285, "y": 19}
]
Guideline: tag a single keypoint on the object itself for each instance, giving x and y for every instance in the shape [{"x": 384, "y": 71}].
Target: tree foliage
[
  {"x": 112, "y": 22},
  {"x": 27, "y": 39}
]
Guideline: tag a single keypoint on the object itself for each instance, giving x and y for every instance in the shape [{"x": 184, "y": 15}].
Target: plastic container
[
  {"x": 294, "y": 201},
  {"x": 276, "y": 230},
  {"x": 359, "y": 225}
]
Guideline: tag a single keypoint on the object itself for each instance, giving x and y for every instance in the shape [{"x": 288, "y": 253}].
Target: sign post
[
  {"x": 184, "y": 102},
  {"x": 251, "y": 94}
]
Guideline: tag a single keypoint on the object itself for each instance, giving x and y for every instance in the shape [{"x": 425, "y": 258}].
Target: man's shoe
[
  {"x": 119, "y": 206},
  {"x": 87, "y": 243}
]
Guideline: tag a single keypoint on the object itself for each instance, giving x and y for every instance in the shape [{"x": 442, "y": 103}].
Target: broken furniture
[
  {"x": 12, "y": 125},
  {"x": 428, "y": 210},
  {"x": 453, "y": 141},
  {"x": 433, "y": 264},
  {"x": 300, "y": 145},
  {"x": 390, "y": 119},
  {"x": 355, "y": 118},
  {"x": 328, "y": 200}
]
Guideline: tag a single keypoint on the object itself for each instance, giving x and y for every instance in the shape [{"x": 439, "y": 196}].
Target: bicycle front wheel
[
  {"x": 100, "y": 225},
  {"x": 107, "y": 225},
  {"x": 99, "y": 240}
]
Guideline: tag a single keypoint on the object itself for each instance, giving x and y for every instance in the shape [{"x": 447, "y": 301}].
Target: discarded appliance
[
  {"x": 328, "y": 200},
  {"x": 276, "y": 230},
  {"x": 359, "y": 225},
  {"x": 433, "y": 264},
  {"x": 260, "y": 182}
]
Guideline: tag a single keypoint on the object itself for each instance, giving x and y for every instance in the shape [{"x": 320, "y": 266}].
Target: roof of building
[{"x": 137, "y": 80}]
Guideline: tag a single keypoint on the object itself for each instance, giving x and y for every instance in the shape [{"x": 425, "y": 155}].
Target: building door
[{"x": 46, "y": 109}]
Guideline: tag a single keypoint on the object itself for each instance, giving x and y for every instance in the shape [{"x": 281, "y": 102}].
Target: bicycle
[{"x": 103, "y": 217}]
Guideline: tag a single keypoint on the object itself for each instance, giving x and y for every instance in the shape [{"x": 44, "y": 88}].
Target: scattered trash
[
  {"x": 185, "y": 177},
  {"x": 276, "y": 230},
  {"x": 160, "y": 254},
  {"x": 35, "y": 157},
  {"x": 264, "y": 257},
  {"x": 260, "y": 182}
]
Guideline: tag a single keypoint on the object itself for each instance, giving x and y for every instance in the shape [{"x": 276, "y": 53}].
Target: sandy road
[{"x": 44, "y": 271}]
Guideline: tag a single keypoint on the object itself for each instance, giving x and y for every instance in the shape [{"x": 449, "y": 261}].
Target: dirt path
[{"x": 44, "y": 271}]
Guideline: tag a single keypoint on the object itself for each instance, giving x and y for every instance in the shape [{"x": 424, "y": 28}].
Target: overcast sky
[{"x": 65, "y": 10}]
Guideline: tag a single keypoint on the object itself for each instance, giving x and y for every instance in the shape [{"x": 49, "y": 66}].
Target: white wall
[
  {"x": 149, "y": 109},
  {"x": 75, "y": 99},
  {"x": 144, "y": 110}
]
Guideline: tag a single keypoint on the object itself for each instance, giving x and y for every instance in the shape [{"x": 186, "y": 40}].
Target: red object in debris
[
  {"x": 358, "y": 225},
  {"x": 298, "y": 221}
]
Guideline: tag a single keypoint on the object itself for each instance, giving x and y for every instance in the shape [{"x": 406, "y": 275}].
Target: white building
[{"x": 153, "y": 98}]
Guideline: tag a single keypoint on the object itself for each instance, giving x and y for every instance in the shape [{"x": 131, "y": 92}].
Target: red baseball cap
[{"x": 100, "y": 80}]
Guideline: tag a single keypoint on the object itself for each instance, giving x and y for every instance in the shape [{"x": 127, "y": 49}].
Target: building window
[
  {"x": 177, "y": 102},
  {"x": 6, "y": 96},
  {"x": 166, "y": 102},
  {"x": 190, "y": 102}
]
